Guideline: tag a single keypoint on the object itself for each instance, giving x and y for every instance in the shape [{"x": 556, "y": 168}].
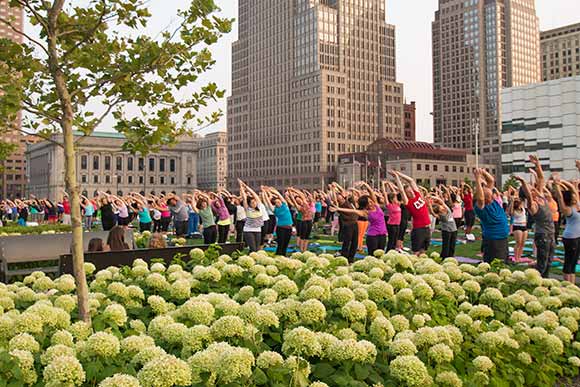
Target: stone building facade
[
  {"x": 560, "y": 52},
  {"x": 13, "y": 169},
  {"x": 479, "y": 48},
  {"x": 311, "y": 79},
  {"x": 427, "y": 163},
  {"x": 102, "y": 165},
  {"x": 212, "y": 163}
]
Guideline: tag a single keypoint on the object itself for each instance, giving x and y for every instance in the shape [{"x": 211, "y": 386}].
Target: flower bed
[
  {"x": 302, "y": 321},
  {"x": 34, "y": 230}
]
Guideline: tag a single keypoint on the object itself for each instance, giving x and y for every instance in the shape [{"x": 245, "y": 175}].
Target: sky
[{"x": 412, "y": 19}]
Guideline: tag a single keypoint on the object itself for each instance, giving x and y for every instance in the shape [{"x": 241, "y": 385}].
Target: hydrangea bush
[{"x": 307, "y": 320}]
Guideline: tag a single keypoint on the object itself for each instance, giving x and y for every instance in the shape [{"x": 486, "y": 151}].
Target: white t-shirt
[
  {"x": 264, "y": 212},
  {"x": 240, "y": 213}
]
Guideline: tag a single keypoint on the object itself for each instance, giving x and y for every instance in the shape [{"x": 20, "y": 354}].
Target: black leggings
[
  {"x": 571, "y": 255},
  {"x": 209, "y": 235},
  {"x": 349, "y": 240},
  {"x": 376, "y": 242},
  {"x": 449, "y": 241},
  {"x": 165, "y": 223},
  {"x": 240, "y": 230},
  {"x": 393, "y": 230},
  {"x": 156, "y": 225},
  {"x": 283, "y": 235},
  {"x": 223, "y": 231}
]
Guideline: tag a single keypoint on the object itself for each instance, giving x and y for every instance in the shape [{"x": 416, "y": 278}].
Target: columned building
[
  {"x": 479, "y": 48},
  {"x": 102, "y": 165},
  {"x": 311, "y": 79}
]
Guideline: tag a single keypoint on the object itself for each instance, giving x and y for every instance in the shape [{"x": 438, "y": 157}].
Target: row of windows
[
  {"x": 131, "y": 180},
  {"x": 427, "y": 167},
  {"x": 130, "y": 163}
]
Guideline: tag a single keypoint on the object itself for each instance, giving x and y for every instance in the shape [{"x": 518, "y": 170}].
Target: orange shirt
[{"x": 554, "y": 208}]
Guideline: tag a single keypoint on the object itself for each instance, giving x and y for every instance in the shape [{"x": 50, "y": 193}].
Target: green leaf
[
  {"x": 259, "y": 377},
  {"x": 323, "y": 370},
  {"x": 361, "y": 371}
]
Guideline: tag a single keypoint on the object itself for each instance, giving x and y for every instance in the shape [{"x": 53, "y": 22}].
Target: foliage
[
  {"x": 105, "y": 70},
  {"x": 31, "y": 230},
  {"x": 306, "y": 320},
  {"x": 511, "y": 182}
]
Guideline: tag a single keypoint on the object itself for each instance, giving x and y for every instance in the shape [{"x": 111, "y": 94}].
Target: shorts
[
  {"x": 124, "y": 221},
  {"x": 420, "y": 239},
  {"x": 469, "y": 218},
  {"x": 305, "y": 229},
  {"x": 520, "y": 228},
  {"x": 495, "y": 249}
]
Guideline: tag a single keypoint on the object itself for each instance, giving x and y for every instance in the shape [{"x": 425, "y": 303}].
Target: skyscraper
[
  {"x": 13, "y": 169},
  {"x": 311, "y": 79},
  {"x": 479, "y": 48},
  {"x": 560, "y": 52}
]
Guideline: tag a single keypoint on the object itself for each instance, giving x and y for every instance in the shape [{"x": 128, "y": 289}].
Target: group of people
[{"x": 382, "y": 214}]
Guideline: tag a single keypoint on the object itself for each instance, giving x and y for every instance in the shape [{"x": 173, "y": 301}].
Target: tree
[
  {"x": 511, "y": 182},
  {"x": 89, "y": 62}
]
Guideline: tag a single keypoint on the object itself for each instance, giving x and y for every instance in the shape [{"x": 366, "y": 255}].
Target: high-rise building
[
  {"x": 410, "y": 124},
  {"x": 212, "y": 162},
  {"x": 13, "y": 170},
  {"x": 311, "y": 79},
  {"x": 479, "y": 48},
  {"x": 560, "y": 52}
]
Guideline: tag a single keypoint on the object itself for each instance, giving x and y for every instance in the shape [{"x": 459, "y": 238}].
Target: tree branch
[
  {"x": 101, "y": 118},
  {"x": 45, "y": 138},
  {"x": 30, "y": 108},
  {"x": 37, "y": 16},
  {"x": 88, "y": 33},
  {"x": 22, "y": 33}
]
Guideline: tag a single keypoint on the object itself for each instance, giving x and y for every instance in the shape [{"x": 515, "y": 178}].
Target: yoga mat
[{"x": 467, "y": 260}]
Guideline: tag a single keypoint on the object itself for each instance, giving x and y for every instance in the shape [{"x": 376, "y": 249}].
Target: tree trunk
[{"x": 70, "y": 160}]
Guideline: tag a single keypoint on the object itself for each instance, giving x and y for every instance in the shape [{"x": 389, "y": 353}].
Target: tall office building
[
  {"x": 479, "y": 48},
  {"x": 560, "y": 52},
  {"x": 410, "y": 124},
  {"x": 13, "y": 170},
  {"x": 311, "y": 79}
]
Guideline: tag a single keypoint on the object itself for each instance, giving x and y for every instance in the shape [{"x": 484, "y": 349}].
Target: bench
[
  {"x": 102, "y": 260},
  {"x": 42, "y": 249}
]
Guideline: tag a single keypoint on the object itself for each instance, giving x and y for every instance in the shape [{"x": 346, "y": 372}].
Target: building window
[
  {"x": 84, "y": 162},
  {"x": 162, "y": 180},
  {"x": 119, "y": 163},
  {"x": 162, "y": 165},
  {"x": 119, "y": 179},
  {"x": 108, "y": 179},
  {"x": 95, "y": 162},
  {"x": 172, "y": 180},
  {"x": 454, "y": 168},
  {"x": 107, "y": 163},
  {"x": 427, "y": 167},
  {"x": 130, "y": 179},
  {"x": 130, "y": 164},
  {"x": 435, "y": 168},
  {"x": 447, "y": 168},
  {"x": 141, "y": 164},
  {"x": 141, "y": 180},
  {"x": 84, "y": 179},
  {"x": 188, "y": 180},
  {"x": 151, "y": 164},
  {"x": 96, "y": 179},
  {"x": 151, "y": 179},
  {"x": 418, "y": 167},
  {"x": 461, "y": 169},
  {"x": 172, "y": 165}
]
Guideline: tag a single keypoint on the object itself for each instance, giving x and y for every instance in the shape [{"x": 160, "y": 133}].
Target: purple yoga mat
[{"x": 467, "y": 260}]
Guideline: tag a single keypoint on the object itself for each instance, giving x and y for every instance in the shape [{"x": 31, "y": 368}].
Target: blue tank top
[{"x": 572, "y": 230}]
